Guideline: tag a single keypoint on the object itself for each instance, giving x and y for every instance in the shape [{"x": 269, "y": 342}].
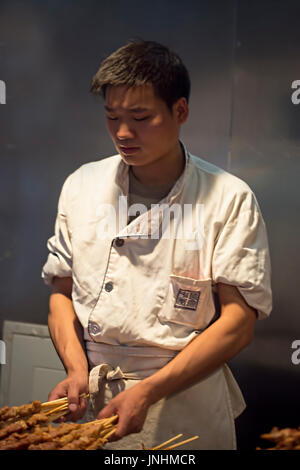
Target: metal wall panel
[
  {"x": 264, "y": 152},
  {"x": 51, "y": 124}
]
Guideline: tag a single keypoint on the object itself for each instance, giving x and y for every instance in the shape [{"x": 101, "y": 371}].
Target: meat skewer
[
  {"x": 23, "y": 411},
  {"x": 21, "y": 425},
  {"x": 60, "y": 407},
  {"x": 71, "y": 437},
  {"x": 18, "y": 426},
  {"x": 82, "y": 439},
  {"x": 38, "y": 436},
  {"x": 3, "y": 411},
  {"x": 284, "y": 439},
  {"x": 50, "y": 441}
]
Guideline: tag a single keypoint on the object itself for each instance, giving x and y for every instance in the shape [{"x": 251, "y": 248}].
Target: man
[{"x": 146, "y": 309}]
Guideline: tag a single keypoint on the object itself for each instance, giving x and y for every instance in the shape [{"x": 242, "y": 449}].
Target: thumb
[{"x": 73, "y": 397}]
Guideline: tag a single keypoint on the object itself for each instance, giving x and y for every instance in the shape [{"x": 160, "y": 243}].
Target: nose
[{"x": 124, "y": 132}]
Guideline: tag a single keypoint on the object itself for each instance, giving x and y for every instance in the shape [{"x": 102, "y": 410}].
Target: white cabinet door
[{"x": 32, "y": 366}]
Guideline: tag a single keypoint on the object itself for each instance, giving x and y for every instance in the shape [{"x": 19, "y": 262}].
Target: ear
[{"x": 181, "y": 110}]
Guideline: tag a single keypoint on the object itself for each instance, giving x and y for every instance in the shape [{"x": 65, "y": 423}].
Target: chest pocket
[{"x": 189, "y": 302}]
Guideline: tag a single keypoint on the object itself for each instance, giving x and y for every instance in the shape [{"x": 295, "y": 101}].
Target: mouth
[{"x": 129, "y": 150}]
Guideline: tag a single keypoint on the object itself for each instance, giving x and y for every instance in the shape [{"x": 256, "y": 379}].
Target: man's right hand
[
  {"x": 72, "y": 387},
  {"x": 67, "y": 335}
]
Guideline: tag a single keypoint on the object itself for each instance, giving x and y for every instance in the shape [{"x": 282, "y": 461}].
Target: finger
[
  {"x": 122, "y": 429},
  {"x": 107, "y": 412},
  {"x": 113, "y": 437},
  {"x": 53, "y": 395},
  {"x": 82, "y": 403},
  {"x": 75, "y": 416},
  {"x": 70, "y": 417},
  {"x": 118, "y": 434},
  {"x": 82, "y": 406},
  {"x": 61, "y": 419},
  {"x": 128, "y": 425},
  {"x": 57, "y": 392},
  {"x": 73, "y": 397}
]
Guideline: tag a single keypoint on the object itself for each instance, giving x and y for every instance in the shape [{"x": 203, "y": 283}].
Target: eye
[
  {"x": 111, "y": 118},
  {"x": 142, "y": 119}
]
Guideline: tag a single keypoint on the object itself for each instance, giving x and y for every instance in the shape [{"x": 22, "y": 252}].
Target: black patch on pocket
[{"x": 188, "y": 299}]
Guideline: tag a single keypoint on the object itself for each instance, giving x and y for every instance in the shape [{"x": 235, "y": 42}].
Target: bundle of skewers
[
  {"x": 28, "y": 427},
  {"x": 282, "y": 439}
]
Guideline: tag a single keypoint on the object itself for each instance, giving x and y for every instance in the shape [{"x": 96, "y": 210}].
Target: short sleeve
[
  {"x": 59, "y": 261},
  {"x": 241, "y": 254}
]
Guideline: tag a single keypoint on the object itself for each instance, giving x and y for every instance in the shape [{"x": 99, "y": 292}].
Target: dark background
[{"x": 243, "y": 57}]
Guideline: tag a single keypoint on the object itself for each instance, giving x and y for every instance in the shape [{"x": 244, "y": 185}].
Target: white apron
[{"x": 206, "y": 409}]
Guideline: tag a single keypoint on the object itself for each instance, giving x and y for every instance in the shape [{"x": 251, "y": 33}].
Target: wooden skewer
[
  {"x": 55, "y": 416},
  {"x": 109, "y": 433},
  {"x": 61, "y": 400},
  {"x": 104, "y": 431},
  {"x": 110, "y": 420},
  {"x": 181, "y": 443},
  {"x": 49, "y": 404},
  {"x": 167, "y": 442},
  {"x": 90, "y": 423},
  {"x": 104, "y": 421},
  {"x": 59, "y": 408}
]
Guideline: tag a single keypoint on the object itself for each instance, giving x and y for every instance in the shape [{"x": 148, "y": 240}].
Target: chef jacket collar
[
  {"x": 140, "y": 226},
  {"x": 122, "y": 178}
]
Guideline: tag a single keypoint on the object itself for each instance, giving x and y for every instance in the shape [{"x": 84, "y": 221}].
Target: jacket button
[
  {"x": 93, "y": 328},
  {"x": 108, "y": 286},
  {"x": 119, "y": 241}
]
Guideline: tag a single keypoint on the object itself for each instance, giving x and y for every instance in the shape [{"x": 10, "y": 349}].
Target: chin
[{"x": 134, "y": 160}]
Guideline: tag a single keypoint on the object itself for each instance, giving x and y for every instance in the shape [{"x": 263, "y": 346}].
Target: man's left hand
[{"x": 131, "y": 406}]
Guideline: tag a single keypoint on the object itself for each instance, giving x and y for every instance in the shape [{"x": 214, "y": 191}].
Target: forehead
[{"x": 141, "y": 96}]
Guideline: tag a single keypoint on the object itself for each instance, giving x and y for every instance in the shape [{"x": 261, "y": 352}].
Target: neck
[{"x": 165, "y": 170}]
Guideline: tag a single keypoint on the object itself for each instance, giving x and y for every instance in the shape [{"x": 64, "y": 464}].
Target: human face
[{"x": 141, "y": 125}]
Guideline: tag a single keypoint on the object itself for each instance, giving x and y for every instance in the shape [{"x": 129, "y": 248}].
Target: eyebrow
[{"x": 137, "y": 109}]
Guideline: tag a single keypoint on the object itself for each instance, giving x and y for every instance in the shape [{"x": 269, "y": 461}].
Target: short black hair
[{"x": 140, "y": 62}]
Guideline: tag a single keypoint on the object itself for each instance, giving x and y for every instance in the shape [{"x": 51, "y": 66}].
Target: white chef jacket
[
  {"x": 146, "y": 284},
  {"x": 142, "y": 291}
]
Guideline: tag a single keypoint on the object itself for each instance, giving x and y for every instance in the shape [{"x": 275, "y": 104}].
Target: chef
[{"x": 159, "y": 267}]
